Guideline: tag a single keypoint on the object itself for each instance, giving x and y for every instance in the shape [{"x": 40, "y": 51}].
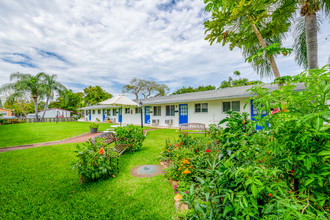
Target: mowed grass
[
  {"x": 40, "y": 183},
  {"x": 30, "y": 133}
]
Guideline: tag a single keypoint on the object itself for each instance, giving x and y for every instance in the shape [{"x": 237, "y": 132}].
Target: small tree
[{"x": 20, "y": 102}]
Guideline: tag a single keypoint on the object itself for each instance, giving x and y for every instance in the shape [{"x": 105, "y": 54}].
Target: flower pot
[{"x": 93, "y": 130}]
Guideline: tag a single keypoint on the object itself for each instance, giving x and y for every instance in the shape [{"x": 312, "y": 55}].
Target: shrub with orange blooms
[{"x": 95, "y": 161}]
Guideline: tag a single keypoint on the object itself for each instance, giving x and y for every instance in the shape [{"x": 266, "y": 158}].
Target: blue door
[
  {"x": 120, "y": 117},
  {"x": 254, "y": 113},
  {"x": 90, "y": 115},
  {"x": 183, "y": 113},
  {"x": 147, "y": 115},
  {"x": 104, "y": 114}
]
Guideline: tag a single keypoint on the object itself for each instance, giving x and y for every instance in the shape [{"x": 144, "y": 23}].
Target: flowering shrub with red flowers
[
  {"x": 95, "y": 161},
  {"x": 279, "y": 172}
]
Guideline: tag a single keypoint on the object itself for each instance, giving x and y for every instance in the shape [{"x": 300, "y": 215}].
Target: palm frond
[{"x": 299, "y": 43}]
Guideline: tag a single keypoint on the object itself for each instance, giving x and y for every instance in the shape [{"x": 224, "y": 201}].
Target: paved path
[{"x": 76, "y": 139}]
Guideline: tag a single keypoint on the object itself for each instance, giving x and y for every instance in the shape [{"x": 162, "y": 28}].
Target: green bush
[
  {"x": 95, "y": 162},
  {"x": 279, "y": 172},
  {"x": 131, "y": 135},
  {"x": 215, "y": 131},
  {"x": 300, "y": 134},
  {"x": 93, "y": 125},
  {"x": 188, "y": 153}
]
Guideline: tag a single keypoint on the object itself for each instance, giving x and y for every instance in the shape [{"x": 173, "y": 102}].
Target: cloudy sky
[{"x": 107, "y": 42}]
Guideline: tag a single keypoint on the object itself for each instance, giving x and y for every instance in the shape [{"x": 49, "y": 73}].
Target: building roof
[
  {"x": 120, "y": 100},
  {"x": 8, "y": 109},
  {"x": 97, "y": 107},
  {"x": 226, "y": 93}
]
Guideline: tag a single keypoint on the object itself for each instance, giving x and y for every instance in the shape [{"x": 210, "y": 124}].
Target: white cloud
[{"x": 107, "y": 43}]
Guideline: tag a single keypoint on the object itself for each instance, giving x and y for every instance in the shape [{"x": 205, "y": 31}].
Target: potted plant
[{"x": 93, "y": 127}]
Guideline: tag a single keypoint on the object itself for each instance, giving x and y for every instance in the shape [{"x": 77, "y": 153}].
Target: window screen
[
  {"x": 137, "y": 110},
  {"x": 226, "y": 106},
  {"x": 170, "y": 110},
  {"x": 204, "y": 107},
  {"x": 197, "y": 107},
  {"x": 157, "y": 111},
  {"x": 236, "y": 106}
]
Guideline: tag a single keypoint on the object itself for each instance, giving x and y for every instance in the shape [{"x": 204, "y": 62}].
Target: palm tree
[
  {"x": 27, "y": 83},
  {"x": 51, "y": 86},
  {"x": 250, "y": 25},
  {"x": 306, "y": 32}
]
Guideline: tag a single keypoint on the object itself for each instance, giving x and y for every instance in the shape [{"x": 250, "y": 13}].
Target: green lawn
[
  {"x": 29, "y": 133},
  {"x": 40, "y": 183}
]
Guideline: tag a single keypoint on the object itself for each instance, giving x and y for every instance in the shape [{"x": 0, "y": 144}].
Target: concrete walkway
[{"x": 76, "y": 139}]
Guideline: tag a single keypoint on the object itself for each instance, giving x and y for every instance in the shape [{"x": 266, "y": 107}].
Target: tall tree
[
  {"x": 249, "y": 25},
  {"x": 148, "y": 87},
  {"x": 162, "y": 90},
  {"x": 69, "y": 100},
  {"x": 144, "y": 87},
  {"x": 135, "y": 86},
  {"x": 95, "y": 94},
  {"x": 299, "y": 43},
  {"x": 309, "y": 9},
  {"x": 51, "y": 86},
  {"x": 29, "y": 84}
]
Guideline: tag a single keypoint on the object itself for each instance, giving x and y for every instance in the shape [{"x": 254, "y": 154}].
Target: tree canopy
[
  {"x": 250, "y": 25},
  {"x": 191, "y": 89},
  {"x": 224, "y": 84},
  {"x": 94, "y": 95},
  {"x": 146, "y": 88},
  {"x": 70, "y": 101},
  {"x": 26, "y": 83}
]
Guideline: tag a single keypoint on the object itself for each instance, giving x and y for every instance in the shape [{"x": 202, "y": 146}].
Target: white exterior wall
[
  {"x": 100, "y": 116},
  {"x": 132, "y": 117},
  {"x": 214, "y": 115},
  {"x": 52, "y": 113}
]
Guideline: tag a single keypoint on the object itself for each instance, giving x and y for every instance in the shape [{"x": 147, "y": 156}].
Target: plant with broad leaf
[
  {"x": 300, "y": 134},
  {"x": 95, "y": 161},
  {"x": 131, "y": 135}
]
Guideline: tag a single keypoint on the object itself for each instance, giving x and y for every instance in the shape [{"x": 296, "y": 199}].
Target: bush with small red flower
[
  {"x": 280, "y": 172},
  {"x": 95, "y": 161}
]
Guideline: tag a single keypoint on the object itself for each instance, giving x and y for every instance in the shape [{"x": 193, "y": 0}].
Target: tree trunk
[
  {"x": 136, "y": 96},
  {"x": 35, "y": 100},
  {"x": 311, "y": 39},
  {"x": 45, "y": 109},
  {"x": 263, "y": 44}
]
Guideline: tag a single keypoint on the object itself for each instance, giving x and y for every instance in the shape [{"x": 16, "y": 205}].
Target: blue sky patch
[
  {"x": 52, "y": 55},
  {"x": 168, "y": 6},
  {"x": 18, "y": 58}
]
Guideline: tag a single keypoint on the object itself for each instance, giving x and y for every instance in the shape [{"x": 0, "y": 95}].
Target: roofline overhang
[{"x": 199, "y": 99}]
